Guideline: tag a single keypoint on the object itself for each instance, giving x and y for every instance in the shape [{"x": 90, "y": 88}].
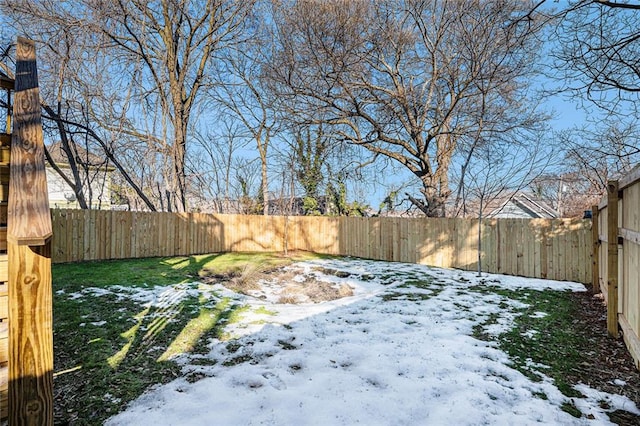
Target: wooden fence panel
[
  {"x": 603, "y": 230},
  {"x": 514, "y": 245},
  {"x": 501, "y": 242},
  {"x": 386, "y": 237},
  {"x": 427, "y": 243},
  {"x": 530, "y": 245},
  {"x": 557, "y": 249},
  {"x": 442, "y": 248},
  {"x": 557, "y": 257},
  {"x": 489, "y": 251},
  {"x": 618, "y": 258},
  {"x": 376, "y": 231},
  {"x": 527, "y": 249},
  {"x": 417, "y": 240},
  {"x": 630, "y": 257},
  {"x": 171, "y": 245}
]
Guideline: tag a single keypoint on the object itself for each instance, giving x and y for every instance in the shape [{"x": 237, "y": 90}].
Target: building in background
[
  {"x": 93, "y": 171},
  {"x": 520, "y": 205}
]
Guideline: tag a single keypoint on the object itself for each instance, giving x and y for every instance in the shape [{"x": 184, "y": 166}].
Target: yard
[{"x": 261, "y": 339}]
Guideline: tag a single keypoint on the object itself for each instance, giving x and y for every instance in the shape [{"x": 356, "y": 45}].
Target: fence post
[
  {"x": 29, "y": 255},
  {"x": 612, "y": 258},
  {"x": 595, "y": 255}
]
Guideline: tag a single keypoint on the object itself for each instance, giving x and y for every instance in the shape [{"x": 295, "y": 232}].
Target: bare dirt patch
[
  {"x": 609, "y": 366},
  {"x": 291, "y": 285}
]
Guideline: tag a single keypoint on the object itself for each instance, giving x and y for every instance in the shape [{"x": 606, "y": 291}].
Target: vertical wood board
[
  {"x": 28, "y": 206},
  {"x": 612, "y": 258},
  {"x": 31, "y": 336}
]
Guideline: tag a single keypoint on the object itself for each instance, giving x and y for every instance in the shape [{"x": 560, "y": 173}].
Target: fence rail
[
  {"x": 617, "y": 257},
  {"x": 555, "y": 249}
]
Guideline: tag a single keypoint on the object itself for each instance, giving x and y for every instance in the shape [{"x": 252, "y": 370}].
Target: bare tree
[
  {"x": 499, "y": 172},
  {"x": 407, "y": 80},
  {"x": 596, "y": 48},
  {"x": 170, "y": 45},
  {"x": 152, "y": 59},
  {"x": 242, "y": 93},
  {"x": 249, "y": 188},
  {"x": 76, "y": 163},
  {"x": 592, "y": 155},
  {"x": 598, "y": 44},
  {"x": 74, "y": 136},
  {"x": 219, "y": 162}
]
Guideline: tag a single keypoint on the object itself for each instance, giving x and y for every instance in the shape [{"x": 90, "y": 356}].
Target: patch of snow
[
  {"x": 159, "y": 296},
  {"x": 108, "y": 397},
  {"x": 538, "y": 315},
  {"x": 595, "y": 398},
  {"x": 391, "y": 354}
]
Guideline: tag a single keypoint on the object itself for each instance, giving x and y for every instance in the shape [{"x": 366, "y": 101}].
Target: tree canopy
[{"x": 236, "y": 105}]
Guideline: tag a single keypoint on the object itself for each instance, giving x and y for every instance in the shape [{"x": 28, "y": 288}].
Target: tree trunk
[
  {"x": 179, "y": 179},
  {"x": 265, "y": 186}
]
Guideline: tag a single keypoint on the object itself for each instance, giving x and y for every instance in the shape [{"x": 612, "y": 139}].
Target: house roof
[
  {"x": 82, "y": 156},
  {"x": 6, "y": 82},
  {"x": 532, "y": 205}
]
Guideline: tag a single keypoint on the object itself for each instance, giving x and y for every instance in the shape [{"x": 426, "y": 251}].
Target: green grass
[
  {"x": 432, "y": 287},
  {"x": 161, "y": 271},
  {"x": 547, "y": 340},
  {"x": 109, "y": 350}
]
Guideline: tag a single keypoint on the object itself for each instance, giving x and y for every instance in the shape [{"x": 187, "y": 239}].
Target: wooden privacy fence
[
  {"x": 555, "y": 249},
  {"x": 617, "y": 260}
]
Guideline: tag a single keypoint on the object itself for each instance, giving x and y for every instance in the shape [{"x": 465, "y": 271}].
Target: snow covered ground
[{"x": 399, "y": 351}]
